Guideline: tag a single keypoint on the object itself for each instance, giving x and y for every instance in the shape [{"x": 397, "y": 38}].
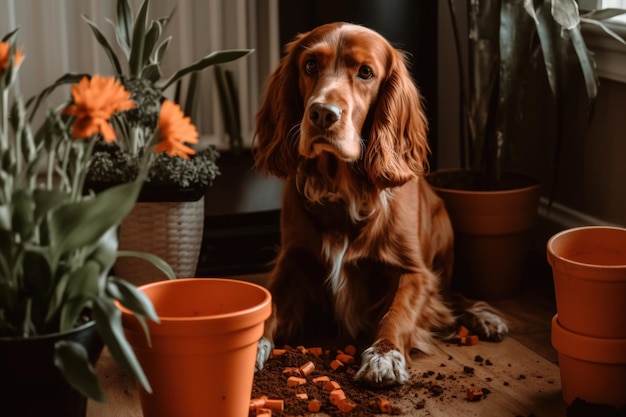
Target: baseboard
[
  {"x": 555, "y": 217},
  {"x": 567, "y": 217}
]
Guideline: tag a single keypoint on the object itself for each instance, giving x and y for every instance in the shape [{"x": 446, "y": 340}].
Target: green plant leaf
[
  {"x": 605, "y": 28},
  {"x": 565, "y": 13},
  {"x": 543, "y": 21},
  {"x": 5, "y": 217},
  {"x": 160, "y": 50},
  {"x": 105, "y": 254},
  {"x": 83, "y": 281},
  {"x": 152, "y": 37},
  {"x": 57, "y": 297},
  {"x": 217, "y": 57},
  {"x": 164, "y": 21},
  {"x": 82, "y": 223},
  {"x": 151, "y": 72},
  {"x": 109, "y": 325},
  {"x": 45, "y": 202},
  {"x": 7, "y": 255},
  {"x": 602, "y": 14},
  {"x": 102, "y": 40},
  {"x": 81, "y": 285},
  {"x": 23, "y": 222},
  {"x": 37, "y": 274},
  {"x": 135, "y": 61},
  {"x": 72, "y": 360},
  {"x": 124, "y": 25},
  {"x": 153, "y": 259},
  {"x": 9, "y": 36},
  {"x": 228, "y": 107},
  {"x": 132, "y": 298},
  {"x": 69, "y": 312},
  {"x": 191, "y": 98},
  {"x": 587, "y": 65}
]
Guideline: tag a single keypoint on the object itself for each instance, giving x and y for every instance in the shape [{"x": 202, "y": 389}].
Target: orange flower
[
  {"x": 5, "y": 48},
  {"x": 175, "y": 129},
  {"x": 96, "y": 100}
]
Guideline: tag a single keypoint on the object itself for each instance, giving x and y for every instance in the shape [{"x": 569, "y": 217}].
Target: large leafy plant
[
  {"x": 58, "y": 243},
  {"x": 141, "y": 47},
  {"x": 506, "y": 39}
]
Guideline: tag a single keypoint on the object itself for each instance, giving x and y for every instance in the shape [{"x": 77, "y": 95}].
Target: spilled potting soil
[{"x": 448, "y": 381}]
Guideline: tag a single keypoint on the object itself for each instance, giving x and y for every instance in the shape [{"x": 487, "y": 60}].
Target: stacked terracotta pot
[{"x": 589, "y": 329}]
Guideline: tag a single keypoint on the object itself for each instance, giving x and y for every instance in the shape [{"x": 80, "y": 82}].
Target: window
[
  {"x": 615, "y": 4},
  {"x": 610, "y": 55}
]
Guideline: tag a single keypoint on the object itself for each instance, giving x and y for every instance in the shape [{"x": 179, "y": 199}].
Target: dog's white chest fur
[{"x": 334, "y": 250}]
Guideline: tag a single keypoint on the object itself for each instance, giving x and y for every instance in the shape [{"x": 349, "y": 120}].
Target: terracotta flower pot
[
  {"x": 589, "y": 270},
  {"x": 491, "y": 233},
  {"x": 592, "y": 368},
  {"x": 201, "y": 361}
]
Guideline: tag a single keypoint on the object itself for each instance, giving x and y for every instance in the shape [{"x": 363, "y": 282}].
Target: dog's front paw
[
  {"x": 264, "y": 349},
  {"x": 383, "y": 365},
  {"x": 485, "y": 321}
]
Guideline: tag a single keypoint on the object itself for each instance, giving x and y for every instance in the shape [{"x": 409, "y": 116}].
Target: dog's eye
[
  {"x": 310, "y": 66},
  {"x": 365, "y": 72}
]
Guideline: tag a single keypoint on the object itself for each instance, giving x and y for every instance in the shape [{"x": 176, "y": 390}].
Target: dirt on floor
[{"x": 448, "y": 380}]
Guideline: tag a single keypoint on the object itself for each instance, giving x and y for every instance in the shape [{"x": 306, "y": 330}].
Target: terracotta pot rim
[
  {"x": 535, "y": 184},
  {"x": 587, "y": 348},
  {"x": 552, "y": 241},
  {"x": 257, "y": 308}
]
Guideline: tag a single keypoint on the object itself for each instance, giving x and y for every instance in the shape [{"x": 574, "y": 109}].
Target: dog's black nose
[{"x": 324, "y": 115}]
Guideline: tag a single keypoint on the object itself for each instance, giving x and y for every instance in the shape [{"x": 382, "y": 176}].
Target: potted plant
[
  {"x": 508, "y": 41},
  {"x": 58, "y": 243},
  {"x": 175, "y": 187}
]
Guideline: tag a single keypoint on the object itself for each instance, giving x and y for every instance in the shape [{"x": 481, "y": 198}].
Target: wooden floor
[{"x": 522, "y": 377}]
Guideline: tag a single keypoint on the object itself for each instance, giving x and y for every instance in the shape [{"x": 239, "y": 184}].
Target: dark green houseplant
[
  {"x": 510, "y": 43},
  {"x": 174, "y": 185},
  {"x": 58, "y": 244},
  {"x": 143, "y": 45},
  {"x": 58, "y": 239}
]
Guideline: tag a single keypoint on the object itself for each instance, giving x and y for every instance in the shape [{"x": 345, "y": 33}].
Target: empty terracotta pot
[
  {"x": 201, "y": 359},
  {"x": 589, "y": 270},
  {"x": 592, "y": 368}
]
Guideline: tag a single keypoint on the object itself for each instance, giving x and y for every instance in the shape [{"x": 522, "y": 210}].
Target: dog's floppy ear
[
  {"x": 280, "y": 111},
  {"x": 397, "y": 147}
]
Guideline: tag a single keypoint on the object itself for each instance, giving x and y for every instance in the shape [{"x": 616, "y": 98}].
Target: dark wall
[{"x": 409, "y": 25}]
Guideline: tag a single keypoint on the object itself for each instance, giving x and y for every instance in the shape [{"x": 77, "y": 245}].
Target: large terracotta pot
[
  {"x": 589, "y": 270},
  {"x": 30, "y": 383},
  {"x": 491, "y": 232},
  {"x": 202, "y": 354}
]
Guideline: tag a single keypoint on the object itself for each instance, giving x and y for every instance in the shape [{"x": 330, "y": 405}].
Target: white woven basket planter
[{"x": 170, "y": 230}]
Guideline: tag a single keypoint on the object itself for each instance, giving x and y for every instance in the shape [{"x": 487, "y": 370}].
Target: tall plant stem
[
  {"x": 4, "y": 119},
  {"x": 463, "y": 111}
]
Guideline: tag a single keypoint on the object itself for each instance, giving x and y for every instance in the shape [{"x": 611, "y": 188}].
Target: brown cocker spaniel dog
[{"x": 366, "y": 246}]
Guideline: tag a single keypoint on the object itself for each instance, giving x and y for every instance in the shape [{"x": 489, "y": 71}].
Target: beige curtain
[{"x": 57, "y": 40}]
